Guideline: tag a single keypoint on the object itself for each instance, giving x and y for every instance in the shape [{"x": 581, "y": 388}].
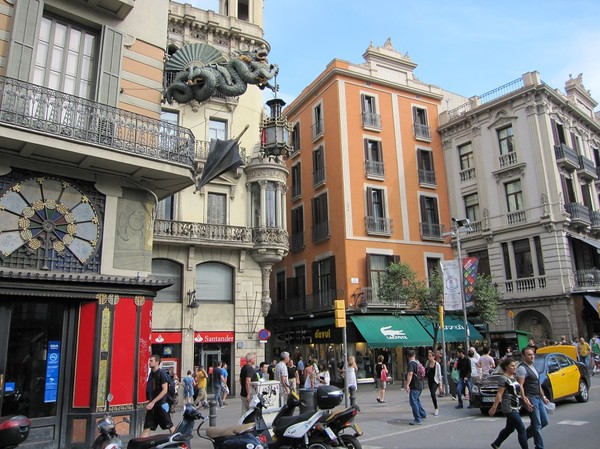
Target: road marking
[
  {"x": 573, "y": 423},
  {"x": 413, "y": 429}
]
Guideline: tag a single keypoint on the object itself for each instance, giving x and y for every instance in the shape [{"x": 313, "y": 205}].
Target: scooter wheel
[
  {"x": 350, "y": 442},
  {"x": 319, "y": 446}
]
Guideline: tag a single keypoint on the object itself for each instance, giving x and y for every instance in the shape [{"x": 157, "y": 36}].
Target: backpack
[
  {"x": 384, "y": 374},
  {"x": 171, "y": 395},
  {"x": 420, "y": 370}
]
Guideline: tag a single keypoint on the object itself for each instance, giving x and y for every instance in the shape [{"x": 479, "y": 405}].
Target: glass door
[{"x": 209, "y": 358}]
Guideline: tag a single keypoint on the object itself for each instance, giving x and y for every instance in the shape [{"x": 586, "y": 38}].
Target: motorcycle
[
  {"x": 13, "y": 431},
  {"x": 338, "y": 422},
  {"x": 108, "y": 438},
  {"x": 241, "y": 436}
]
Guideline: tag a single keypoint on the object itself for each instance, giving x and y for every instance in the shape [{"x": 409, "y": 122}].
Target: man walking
[
  {"x": 157, "y": 409},
  {"x": 246, "y": 377},
  {"x": 463, "y": 366},
  {"x": 217, "y": 380},
  {"x": 533, "y": 396},
  {"x": 281, "y": 375},
  {"x": 414, "y": 387}
]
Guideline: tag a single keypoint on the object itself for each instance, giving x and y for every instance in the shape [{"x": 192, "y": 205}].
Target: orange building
[{"x": 367, "y": 187}]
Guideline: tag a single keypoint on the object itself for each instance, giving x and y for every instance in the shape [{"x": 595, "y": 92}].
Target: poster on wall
[{"x": 52, "y": 370}]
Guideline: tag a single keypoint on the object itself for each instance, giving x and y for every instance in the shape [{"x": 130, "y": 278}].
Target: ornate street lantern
[{"x": 275, "y": 132}]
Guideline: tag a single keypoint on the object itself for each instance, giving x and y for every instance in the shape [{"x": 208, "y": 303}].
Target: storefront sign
[
  {"x": 214, "y": 337},
  {"x": 165, "y": 338},
  {"x": 326, "y": 334},
  {"x": 52, "y": 369}
]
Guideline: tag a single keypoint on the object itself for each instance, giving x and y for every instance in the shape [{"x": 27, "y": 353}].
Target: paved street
[{"x": 387, "y": 425}]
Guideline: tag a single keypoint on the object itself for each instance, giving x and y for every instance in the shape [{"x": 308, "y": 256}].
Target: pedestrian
[
  {"x": 379, "y": 379},
  {"x": 583, "y": 351},
  {"x": 414, "y": 388},
  {"x": 293, "y": 376},
  {"x": 534, "y": 397},
  {"x": 157, "y": 409},
  {"x": 323, "y": 375},
  {"x": 217, "y": 381},
  {"x": 300, "y": 366},
  {"x": 281, "y": 375},
  {"x": 310, "y": 375},
  {"x": 433, "y": 372},
  {"x": 509, "y": 394},
  {"x": 350, "y": 374},
  {"x": 246, "y": 377},
  {"x": 271, "y": 369},
  {"x": 224, "y": 386},
  {"x": 463, "y": 365},
  {"x": 202, "y": 380},
  {"x": 262, "y": 371},
  {"x": 188, "y": 388},
  {"x": 486, "y": 363}
]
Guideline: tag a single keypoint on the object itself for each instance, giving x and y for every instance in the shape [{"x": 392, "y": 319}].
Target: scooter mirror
[{"x": 109, "y": 397}]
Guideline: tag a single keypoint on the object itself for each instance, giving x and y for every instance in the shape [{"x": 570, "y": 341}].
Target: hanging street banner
[
  {"x": 452, "y": 285},
  {"x": 470, "y": 278}
]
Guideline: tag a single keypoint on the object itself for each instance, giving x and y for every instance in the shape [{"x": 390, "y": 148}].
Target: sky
[{"x": 468, "y": 47}]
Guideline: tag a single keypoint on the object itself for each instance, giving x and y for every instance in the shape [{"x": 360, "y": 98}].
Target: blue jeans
[
  {"x": 513, "y": 422},
  {"x": 539, "y": 420},
  {"x": 461, "y": 387},
  {"x": 414, "y": 399},
  {"x": 218, "y": 394}
]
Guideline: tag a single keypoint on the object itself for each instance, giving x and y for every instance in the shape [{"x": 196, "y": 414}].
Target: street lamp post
[{"x": 458, "y": 225}]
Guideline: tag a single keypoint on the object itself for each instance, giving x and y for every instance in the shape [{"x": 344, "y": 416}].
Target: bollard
[
  {"x": 352, "y": 397},
  {"x": 212, "y": 413}
]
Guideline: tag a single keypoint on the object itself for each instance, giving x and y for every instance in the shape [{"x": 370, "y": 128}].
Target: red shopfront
[
  {"x": 167, "y": 344},
  {"x": 211, "y": 347}
]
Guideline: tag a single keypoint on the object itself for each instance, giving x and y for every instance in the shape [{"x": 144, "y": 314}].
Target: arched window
[
  {"x": 214, "y": 282},
  {"x": 165, "y": 270}
]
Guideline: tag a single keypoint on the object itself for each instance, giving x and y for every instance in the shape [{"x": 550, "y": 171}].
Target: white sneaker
[{"x": 436, "y": 412}]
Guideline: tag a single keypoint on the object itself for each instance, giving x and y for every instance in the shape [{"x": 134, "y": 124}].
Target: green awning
[
  {"x": 389, "y": 331},
  {"x": 454, "y": 329}
]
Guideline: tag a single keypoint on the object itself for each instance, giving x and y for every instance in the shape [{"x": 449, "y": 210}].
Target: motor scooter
[
  {"x": 241, "y": 436},
  {"x": 340, "y": 421},
  {"x": 107, "y": 438},
  {"x": 13, "y": 431}
]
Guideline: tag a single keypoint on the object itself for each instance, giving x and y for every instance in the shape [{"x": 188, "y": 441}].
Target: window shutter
[
  {"x": 368, "y": 267},
  {"x": 436, "y": 215},
  {"x": 363, "y": 103},
  {"x": 110, "y": 67},
  {"x": 292, "y": 288},
  {"x": 367, "y": 152},
  {"x": 369, "y": 201},
  {"x": 423, "y": 205},
  {"x": 28, "y": 14},
  {"x": 554, "y": 132},
  {"x": 420, "y": 159},
  {"x": 315, "y": 277},
  {"x": 332, "y": 283}
]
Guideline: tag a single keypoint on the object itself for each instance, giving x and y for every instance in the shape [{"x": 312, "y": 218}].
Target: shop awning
[
  {"x": 594, "y": 302},
  {"x": 454, "y": 330},
  {"x": 389, "y": 331},
  {"x": 587, "y": 241}
]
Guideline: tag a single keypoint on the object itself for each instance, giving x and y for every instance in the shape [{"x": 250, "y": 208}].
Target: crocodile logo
[{"x": 393, "y": 334}]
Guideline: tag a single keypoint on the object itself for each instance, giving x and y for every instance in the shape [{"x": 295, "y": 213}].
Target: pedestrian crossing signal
[{"x": 340, "y": 313}]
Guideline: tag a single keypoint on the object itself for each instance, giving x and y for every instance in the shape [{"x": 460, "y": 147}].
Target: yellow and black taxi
[{"x": 561, "y": 377}]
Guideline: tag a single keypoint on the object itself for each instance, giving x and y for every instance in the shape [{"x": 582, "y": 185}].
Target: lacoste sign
[{"x": 393, "y": 334}]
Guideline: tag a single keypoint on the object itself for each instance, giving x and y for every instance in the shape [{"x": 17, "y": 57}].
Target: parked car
[{"x": 561, "y": 377}]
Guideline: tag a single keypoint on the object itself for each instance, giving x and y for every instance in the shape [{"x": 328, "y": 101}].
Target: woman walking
[
  {"x": 509, "y": 394},
  {"x": 433, "y": 372},
  {"x": 381, "y": 384},
  {"x": 350, "y": 373}
]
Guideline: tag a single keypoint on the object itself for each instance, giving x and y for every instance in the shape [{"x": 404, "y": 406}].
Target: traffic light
[{"x": 340, "y": 313}]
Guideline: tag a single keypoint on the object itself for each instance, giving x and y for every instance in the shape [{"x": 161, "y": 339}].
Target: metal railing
[
  {"x": 311, "y": 303},
  {"x": 578, "y": 212},
  {"x": 317, "y": 129},
  {"x": 373, "y": 299},
  {"x": 431, "y": 231},
  {"x": 318, "y": 176},
  {"x": 296, "y": 190},
  {"x": 297, "y": 241},
  {"x": 46, "y": 111},
  {"x": 564, "y": 153},
  {"x": 427, "y": 177},
  {"x": 422, "y": 131},
  {"x": 501, "y": 91},
  {"x": 587, "y": 167},
  {"x": 371, "y": 120},
  {"x": 378, "y": 225},
  {"x": 320, "y": 231},
  {"x": 587, "y": 278},
  {"x": 374, "y": 168},
  {"x": 185, "y": 230}
]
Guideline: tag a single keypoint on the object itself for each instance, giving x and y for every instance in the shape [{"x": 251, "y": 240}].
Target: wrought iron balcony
[
  {"x": 296, "y": 190},
  {"x": 317, "y": 129},
  {"x": 587, "y": 169},
  {"x": 587, "y": 278},
  {"x": 422, "y": 131},
  {"x": 314, "y": 302},
  {"x": 297, "y": 241},
  {"x": 595, "y": 216},
  {"x": 375, "y": 169},
  {"x": 427, "y": 177},
  {"x": 318, "y": 176},
  {"x": 431, "y": 231},
  {"x": 320, "y": 231},
  {"x": 566, "y": 157},
  {"x": 46, "y": 111},
  {"x": 373, "y": 299},
  {"x": 371, "y": 120},
  {"x": 580, "y": 214},
  {"x": 378, "y": 225},
  {"x": 172, "y": 231}
]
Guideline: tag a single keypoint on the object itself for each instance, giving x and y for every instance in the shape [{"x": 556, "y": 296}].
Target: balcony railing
[
  {"x": 587, "y": 169},
  {"x": 203, "y": 147},
  {"x": 579, "y": 213},
  {"x": 318, "y": 176},
  {"x": 525, "y": 285},
  {"x": 467, "y": 174},
  {"x": 422, "y": 131},
  {"x": 46, "y": 111},
  {"x": 296, "y": 190},
  {"x": 320, "y": 231},
  {"x": 566, "y": 156},
  {"x": 185, "y": 231},
  {"x": 317, "y": 129},
  {"x": 375, "y": 168},
  {"x": 595, "y": 216},
  {"x": 508, "y": 159},
  {"x": 371, "y": 120},
  {"x": 427, "y": 177},
  {"x": 297, "y": 241},
  {"x": 311, "y": 303},
  {"x": 378, "y": 225},
  {"x": 516, "y": 217},
  {"x": 588, "y": 278},
  {"x": 373, "y": 299},
  {"x": 431, "y": 231}
]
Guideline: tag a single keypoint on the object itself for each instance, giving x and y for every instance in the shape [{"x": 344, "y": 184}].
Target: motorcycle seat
[
  {"x": 283, "y": 422},
  {"x": 216, "y": 432},
  {"x": 148, "y": 442}
]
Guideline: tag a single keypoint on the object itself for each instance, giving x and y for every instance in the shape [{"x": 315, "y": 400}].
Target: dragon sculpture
[{"x": 203, "y": 72}]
